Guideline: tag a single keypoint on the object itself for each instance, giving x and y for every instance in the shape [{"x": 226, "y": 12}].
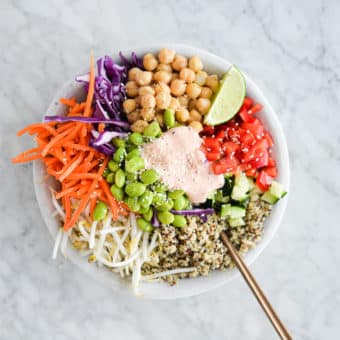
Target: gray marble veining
[{"x": 292, "y": 51}]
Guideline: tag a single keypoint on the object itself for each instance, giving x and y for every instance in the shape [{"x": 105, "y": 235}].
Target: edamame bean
[
  {"x": 176, "y": 194},
  {"x": 112, "y": 165},
  {"x": 110, "y": 178},
  {"x": 99, "y": 211},
  {"x": 135, "y": 189},
  {"x": 160, "y": 187},
  {"x": 165, "y": 217},
  {"x": 143, "y": 210},
  {"x": 136, "y": 138},
  {"x": 131, "y": 177},
  {"x": 118, "y": 142},
  {"x": 146, "y": 199},
  {"x": 118, "y": 193},
  {"x": 166, "y": 205},
  {"x": 120, "y": 178},
  {"x": 133, "y": 203},
  {"x": 148, "y": 215},
  {"x": 169, "y": 118},
  {"x": 158, "y": 198},
  {"x": 134, "y": 164},
  {"x": 119, "y": 155},
  {"x": 179, "y": 221},
  {"x": 149, "y": 176},
  {"x": 134, "y": 153},
  {"x": 152, "y": 130},
  {"x": 106, "y": 172},
  {"x": 180, "y": 203},
  {"x": 144, "y": 225}
]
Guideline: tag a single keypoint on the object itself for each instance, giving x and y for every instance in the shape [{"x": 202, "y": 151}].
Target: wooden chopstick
[{"x": 261, "y": 298}]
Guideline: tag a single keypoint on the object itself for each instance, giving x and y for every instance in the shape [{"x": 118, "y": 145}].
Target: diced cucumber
[
  {"x": 277, "y": 190},
  {"x": 251, "y": 183},
  {"x": 242, "y": 186},
  {"x": 236, "y": 222},
  {"x": 232, "y": 211},
  {"x": 269, "y": 198},
  {"x": 239, "y": 193},
  {"x": 241, "y": 180},
  {"x": 220, "y": 197}
]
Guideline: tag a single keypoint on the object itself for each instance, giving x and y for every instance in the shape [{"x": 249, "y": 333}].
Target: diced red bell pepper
[
  {"x": 230, "y": 147},
  {"x": 251, "y": 172},
  {"x": 271, "y": 171},
  {"x": 245, "y": 116},
  {"x": 225, "y": 165},
  {"x": 212, "y": 156},
  {"x": 263, "y": 180},
  {"x": 247, "y": 103},
  {"x": 212, "y": 143},
  {"x": 256, "y": 108},
  {"x": 271, "y": 162},
  {"x": 255, "y": 128},
  {"x": 208, "y": 129},
  {"x": 269, "y": 139}
]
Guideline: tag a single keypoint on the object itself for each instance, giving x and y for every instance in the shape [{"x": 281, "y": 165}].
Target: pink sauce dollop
[{"x": 177, "y": 158}]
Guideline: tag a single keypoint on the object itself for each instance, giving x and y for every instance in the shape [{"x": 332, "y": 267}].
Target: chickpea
[
  {"x": 183, "y": 101},
  {"x": 192, "y": 104},
  {"x": 147, "y": 101},
  {"x": 137, "y": 99},
  {"x": 187, "y": 75},
  {"x": 174, "y": 103},
  {"x": 197, "y": 126},
  {"x": 147, "y": 113},
  {"x": 129, "y": 105},
  {"x": 166, "y": 56},
  {"x": 143, "y": 78},
  {"x": 139, "y": 126},
  {"x": 177, "y": 87},
  {"x": 174, "y": 76},
  {"x": 203, "y": 105},
  {"x": 206, "y": 92},
  {"x": 131, "y": 89},
  {"x": 164, "y": 67},
  {"x": 150, "y": 62},
  {"x": 201, "y": 78},
  {"x": 162, "y": 76},
  {"x": 143, "y": 90},
  {"x": 182, "y": 115},
  {"x": 194, "y": 116},
  {"x": 193, "y": 90},
  {"x": 179, "y": 62},
  {"x": 212, "y": 82},
  {"x": 133, "y": 72},
  {"x": 162, "y": 87},
  {"x": 160, "y": 119},
  {"x": 133, "y": 116},
  {"x": 195, "y": 64},
  {"x": 163, "y": 100}
]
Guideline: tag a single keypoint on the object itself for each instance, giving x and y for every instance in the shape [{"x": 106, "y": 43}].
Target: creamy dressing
[{"x": 180, "y": 163}]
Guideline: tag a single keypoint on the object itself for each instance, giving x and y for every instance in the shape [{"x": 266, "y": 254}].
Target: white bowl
[{"x": 194, "y": 286}]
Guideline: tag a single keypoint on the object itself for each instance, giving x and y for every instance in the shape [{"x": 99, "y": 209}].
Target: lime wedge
[{"x": 228, "y": 99}]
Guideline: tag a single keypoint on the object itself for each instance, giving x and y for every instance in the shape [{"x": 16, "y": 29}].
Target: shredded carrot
[
  {"x": 101, "y": 127},
  {"x": 64, "y": 149},
  {"x": 90, "y": 93}
]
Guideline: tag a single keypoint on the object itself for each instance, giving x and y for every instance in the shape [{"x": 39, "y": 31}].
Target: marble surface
[{"x": 292, "y": 51}]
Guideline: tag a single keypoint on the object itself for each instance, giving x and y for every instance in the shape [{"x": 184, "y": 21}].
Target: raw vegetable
[
  {"x": 242, "y": 144},
  {"x": 64, "y": 149}
]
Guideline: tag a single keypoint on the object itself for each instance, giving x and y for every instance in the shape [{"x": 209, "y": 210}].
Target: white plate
[{"x": 194, "y": 286}]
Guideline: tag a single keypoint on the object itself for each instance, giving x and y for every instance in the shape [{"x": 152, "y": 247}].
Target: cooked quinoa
[{"x": 198, "y": 245}]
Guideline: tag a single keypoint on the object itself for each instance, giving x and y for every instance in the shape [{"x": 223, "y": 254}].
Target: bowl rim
[{"x": 284, "y": 170}]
